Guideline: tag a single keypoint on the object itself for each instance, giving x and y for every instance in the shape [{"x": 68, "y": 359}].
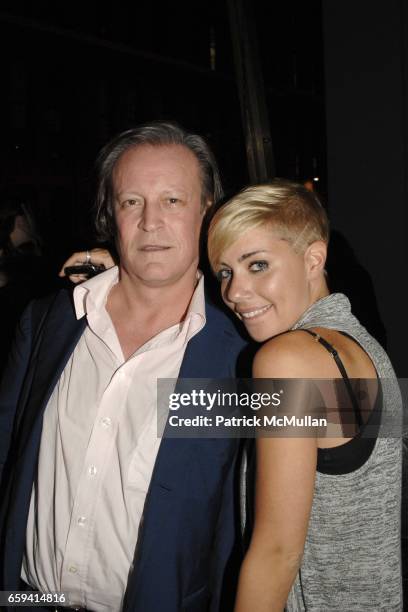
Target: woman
[
  {"x": 327, "y": 511},
  {"x": 326, "y": 533}
]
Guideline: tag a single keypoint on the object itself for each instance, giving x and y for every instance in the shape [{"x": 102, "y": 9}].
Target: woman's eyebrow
[{"x": 246, "y": 255}]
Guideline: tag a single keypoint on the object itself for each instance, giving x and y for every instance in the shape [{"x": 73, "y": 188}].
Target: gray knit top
[{"x": 352, "y": 554}]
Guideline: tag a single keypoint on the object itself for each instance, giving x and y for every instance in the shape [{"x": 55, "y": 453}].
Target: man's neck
[{"x": 140, "y": 311}]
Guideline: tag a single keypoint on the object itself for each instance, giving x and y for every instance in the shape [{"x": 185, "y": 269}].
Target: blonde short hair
[{"x": 293, "y": 212}]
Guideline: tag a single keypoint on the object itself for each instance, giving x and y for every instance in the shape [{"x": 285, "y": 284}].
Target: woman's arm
[{"x": 286, "y": 469}]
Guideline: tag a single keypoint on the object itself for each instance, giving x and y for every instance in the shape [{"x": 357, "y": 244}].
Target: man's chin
[
  {"x": 153, "y": 278},
  {"x": 159, "y": 274}
]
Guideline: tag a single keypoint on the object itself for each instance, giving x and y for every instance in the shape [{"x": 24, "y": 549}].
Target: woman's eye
[
  {"x": 258, "y": 266},
  {"x": 223, "y": 274}
]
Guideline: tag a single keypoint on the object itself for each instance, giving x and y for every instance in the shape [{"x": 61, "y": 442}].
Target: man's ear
[
  {"x": 315, "y": 258},
  {"x": 206, "y": 206}
]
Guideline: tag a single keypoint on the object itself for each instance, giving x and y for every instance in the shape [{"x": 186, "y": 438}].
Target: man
[{"x": 93, "y": 503}]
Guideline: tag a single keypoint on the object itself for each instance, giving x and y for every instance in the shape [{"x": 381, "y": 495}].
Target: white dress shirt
[{"x": 98, "y": 448}]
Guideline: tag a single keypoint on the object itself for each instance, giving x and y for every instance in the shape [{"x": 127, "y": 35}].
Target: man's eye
[
  {"x": 173, "y": 201},
  {"x": 258, "y": 266},
  {"x": 223, "y": 274},
  {"x": 130, "y": 203}
]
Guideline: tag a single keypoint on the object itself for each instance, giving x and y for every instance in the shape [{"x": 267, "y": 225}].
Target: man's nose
[
  {"x": 238, "y": 289},
  {"x": 151, "y": 218}
]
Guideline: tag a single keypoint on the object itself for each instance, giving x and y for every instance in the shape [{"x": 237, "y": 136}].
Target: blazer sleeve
[
  {"x": 227, "y": 548},
  {"x": 12, "y": 381}
]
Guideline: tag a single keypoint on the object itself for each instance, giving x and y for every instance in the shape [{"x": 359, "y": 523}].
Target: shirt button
[
  {"x": 92, "y": 470},
  {"x": 81, "y": 521},
  {"x": 72, "y": 569},
  {"x": 106, "y": 422}
]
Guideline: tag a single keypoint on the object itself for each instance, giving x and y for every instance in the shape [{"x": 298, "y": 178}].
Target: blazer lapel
[
  {"x": 59, "y": 337},
  {"x": 57, "y": 340},
  {"x": 206, "y": 356}
]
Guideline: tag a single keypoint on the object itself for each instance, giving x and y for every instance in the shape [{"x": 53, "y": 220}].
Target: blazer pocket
[{"x": 196, "y": 601}]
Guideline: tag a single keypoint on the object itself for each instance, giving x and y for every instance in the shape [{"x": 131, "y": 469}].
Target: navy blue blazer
[{"x": 188, "y": 551}]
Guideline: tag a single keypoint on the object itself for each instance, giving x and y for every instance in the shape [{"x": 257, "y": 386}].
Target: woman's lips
[{"x": 253, "y": 313}]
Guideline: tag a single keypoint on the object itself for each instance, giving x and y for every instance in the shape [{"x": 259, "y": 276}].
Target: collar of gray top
[{"x": 332, "y": 311}]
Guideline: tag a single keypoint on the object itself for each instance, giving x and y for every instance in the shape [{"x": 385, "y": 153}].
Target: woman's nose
[{"x": 238, "y": 289}]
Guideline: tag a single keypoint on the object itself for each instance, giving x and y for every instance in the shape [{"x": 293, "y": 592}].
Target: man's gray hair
[{"x": 157, "y": 133}]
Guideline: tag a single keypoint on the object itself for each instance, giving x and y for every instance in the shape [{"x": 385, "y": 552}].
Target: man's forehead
[
  {"x": 145, "y": 156},
  {"x": 157, "y": 166}
]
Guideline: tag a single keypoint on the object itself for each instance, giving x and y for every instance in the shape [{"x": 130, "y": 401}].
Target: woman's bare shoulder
[{"x": 293, "y": 354}]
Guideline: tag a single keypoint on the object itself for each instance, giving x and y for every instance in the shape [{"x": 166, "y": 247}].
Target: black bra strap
[{"x": 342, "y": 370}]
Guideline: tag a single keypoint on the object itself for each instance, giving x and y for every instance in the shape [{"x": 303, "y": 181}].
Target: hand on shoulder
[{"x": 98, "y": 256}]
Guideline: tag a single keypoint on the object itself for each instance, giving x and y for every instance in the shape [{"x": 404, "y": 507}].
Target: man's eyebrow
[
  {"x": 178, "y": 190},
  {"x": 133, "y": 194},
  {"x": 168, "y": 190}
]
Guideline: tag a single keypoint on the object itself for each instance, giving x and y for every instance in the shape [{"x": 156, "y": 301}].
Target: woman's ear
[{"x": 315, "y": 258}]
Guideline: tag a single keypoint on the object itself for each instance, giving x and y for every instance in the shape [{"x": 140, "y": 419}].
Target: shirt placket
[{"x": 101, "y": 444}]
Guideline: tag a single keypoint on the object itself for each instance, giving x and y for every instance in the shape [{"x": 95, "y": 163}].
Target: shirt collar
[
  {"x": 197, "y": 304},
  {"x": 92, "y": 294}
]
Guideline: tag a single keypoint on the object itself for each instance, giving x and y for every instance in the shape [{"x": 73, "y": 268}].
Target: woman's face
[{"x": 265, "y": 282}]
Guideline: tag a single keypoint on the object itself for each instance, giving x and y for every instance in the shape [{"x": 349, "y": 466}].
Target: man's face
[{"x": 157, "y": 191}]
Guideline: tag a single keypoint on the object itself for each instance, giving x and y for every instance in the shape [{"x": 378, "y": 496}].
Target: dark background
[
  {"x": 336, "y": 83},
  {"x": 76, "y": 73},
  {"x": 335, "y": 74}
]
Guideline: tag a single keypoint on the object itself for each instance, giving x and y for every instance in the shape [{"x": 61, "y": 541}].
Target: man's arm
[
  {"x": 227, "y": 546},
  {"x": 12, "y": 381}
]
